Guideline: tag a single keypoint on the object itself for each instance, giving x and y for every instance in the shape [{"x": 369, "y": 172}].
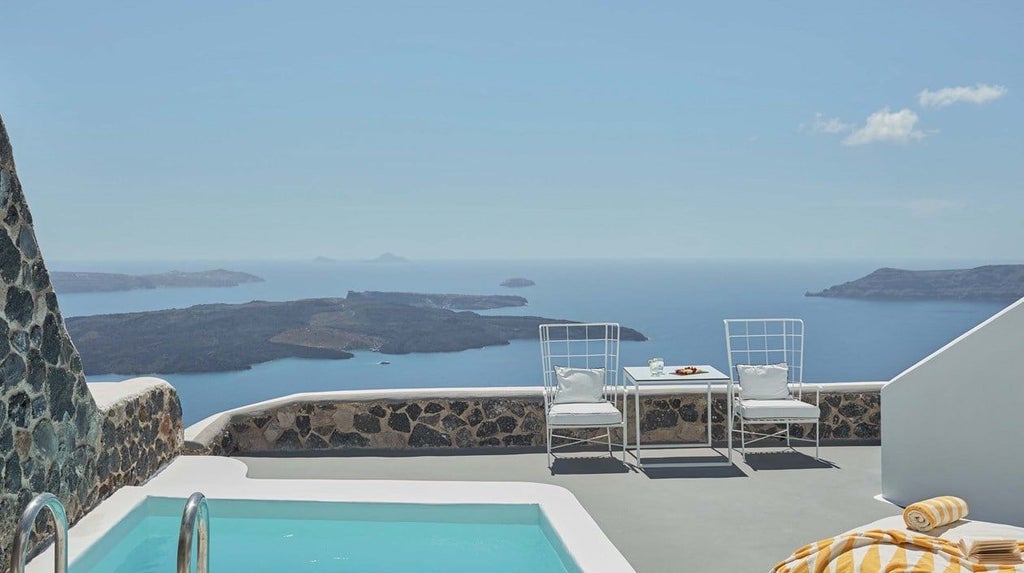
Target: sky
[{"x": 522, "y": 130}]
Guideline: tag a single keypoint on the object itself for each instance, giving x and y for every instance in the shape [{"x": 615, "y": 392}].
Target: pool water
[{"x": 295, "y": 537}]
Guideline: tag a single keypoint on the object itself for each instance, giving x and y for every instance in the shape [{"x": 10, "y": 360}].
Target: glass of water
[{"x": 657, "y": 366}]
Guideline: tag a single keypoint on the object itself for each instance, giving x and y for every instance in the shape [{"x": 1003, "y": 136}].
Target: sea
[{"x": 678, "y": 304}]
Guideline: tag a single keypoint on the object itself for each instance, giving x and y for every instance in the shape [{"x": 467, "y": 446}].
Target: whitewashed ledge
[
  {"x": 111, "y": 394},
  {"x": 206, "y": 431}
]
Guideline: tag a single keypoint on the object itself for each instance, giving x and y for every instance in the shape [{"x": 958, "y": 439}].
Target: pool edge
[{"x": 225, "y": 478}]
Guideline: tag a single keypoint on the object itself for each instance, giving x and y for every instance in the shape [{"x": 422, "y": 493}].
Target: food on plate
[{"x": 687, "y": 370}]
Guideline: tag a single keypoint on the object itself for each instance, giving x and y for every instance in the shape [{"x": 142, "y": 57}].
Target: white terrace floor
[{"x": 739, "y": 519}]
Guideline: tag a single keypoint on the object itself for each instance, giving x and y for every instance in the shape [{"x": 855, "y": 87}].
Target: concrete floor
[{"x": 744, "y": 518}]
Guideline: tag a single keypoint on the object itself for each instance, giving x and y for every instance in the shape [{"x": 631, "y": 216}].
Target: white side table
[{"x": 640, "y": 376}]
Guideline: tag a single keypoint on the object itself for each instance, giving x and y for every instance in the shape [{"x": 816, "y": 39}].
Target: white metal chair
[
  {"x": 768, "y": 341},
  {"x": 590, "y": 346}
]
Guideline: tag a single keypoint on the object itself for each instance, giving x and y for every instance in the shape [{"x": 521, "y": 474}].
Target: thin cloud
[
  {"x": 929, "y": 208},
  {"x": 921, "y": 208},
  {"x": 977, "y": 94},
  {"x": 887, "y": 127},
  {"x": 830, "y": 126}
]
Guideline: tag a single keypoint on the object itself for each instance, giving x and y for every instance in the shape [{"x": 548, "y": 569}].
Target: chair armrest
[
  {"x": 549, "y": 397},
  {"x": 807, "y": 388}
]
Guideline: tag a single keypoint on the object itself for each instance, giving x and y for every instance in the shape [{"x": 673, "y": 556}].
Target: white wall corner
[{"x": 951, "y": 424}]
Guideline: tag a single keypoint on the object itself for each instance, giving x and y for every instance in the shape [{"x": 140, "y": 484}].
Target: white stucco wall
[{"x": 953, "y": 424}]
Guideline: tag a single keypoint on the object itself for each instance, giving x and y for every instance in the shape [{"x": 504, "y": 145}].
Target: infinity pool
[{"x": 301, "y": 536}]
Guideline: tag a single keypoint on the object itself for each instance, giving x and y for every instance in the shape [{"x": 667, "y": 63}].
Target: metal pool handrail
[
  {"x": 24, "y": 533},
  {"x": 195, "y": 507}
]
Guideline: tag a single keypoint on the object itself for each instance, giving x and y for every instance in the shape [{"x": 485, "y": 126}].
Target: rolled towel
[{"x": 935, "y": 512}]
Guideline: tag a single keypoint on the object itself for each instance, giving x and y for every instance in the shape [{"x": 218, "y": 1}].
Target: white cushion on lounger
[
  {"x": 752, "y": 409},
  {"x": 596, "y": 413},
  {"x": 954, "y": 531}
]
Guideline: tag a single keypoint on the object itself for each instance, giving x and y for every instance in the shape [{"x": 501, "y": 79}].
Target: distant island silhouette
[
  {"x": 324, "y": 260},
  {"x": 72, "y": 282},
  {"x": 992, "y": 283},
  {"x": 517, "y": 283},
  {"x": 388, "y": 258}
]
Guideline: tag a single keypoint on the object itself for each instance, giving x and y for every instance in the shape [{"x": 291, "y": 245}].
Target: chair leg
[
  {"x": 817, "y": 440},
  {"x": 788, "y": 445},
  {"x": 625, "y": 441},
  {"x": 609, "y": 441},
  {"x": 743, "y": 441},
  {"x": 550, "y": 462}
]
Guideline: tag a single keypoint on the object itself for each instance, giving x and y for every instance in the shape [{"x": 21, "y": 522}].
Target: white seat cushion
[
  {"x": 754, "y": 409},
  {"x": 592, "y": 413}
]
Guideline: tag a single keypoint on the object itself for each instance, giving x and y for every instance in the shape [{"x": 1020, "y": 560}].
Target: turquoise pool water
[{"x": 296, "y": 537}]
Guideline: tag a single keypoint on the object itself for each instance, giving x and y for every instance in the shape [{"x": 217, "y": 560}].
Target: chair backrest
[
  {"x": 586, "y": 345},
  {"x": 766, "y": 341}
]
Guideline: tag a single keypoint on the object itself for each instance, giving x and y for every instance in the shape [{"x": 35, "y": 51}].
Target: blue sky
[{"x": 220, "y": 130}]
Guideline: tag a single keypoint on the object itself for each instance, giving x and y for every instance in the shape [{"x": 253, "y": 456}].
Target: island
[
  {"x": 74, "y": 282},
  {"x": 444, "y": 301},
  {"x": 517, "y": 283},
  {"x": 221, "y": 337},
  {"x": 324, "y": 260},
  {"x": 991, "y": 283},
  {"x": 388, "y": 258}
]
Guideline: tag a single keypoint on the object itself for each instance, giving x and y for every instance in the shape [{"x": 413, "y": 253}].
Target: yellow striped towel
[
  {"x": 885, "y": 551},
  {"x": 935, "y": 512}
]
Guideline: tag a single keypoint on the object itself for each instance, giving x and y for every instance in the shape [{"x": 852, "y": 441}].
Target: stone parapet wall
[
  {"x": 478, "y": 418},
  {"x": 142, "y": 431}
]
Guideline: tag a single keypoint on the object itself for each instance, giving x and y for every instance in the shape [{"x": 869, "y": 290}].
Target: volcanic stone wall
[
  {"x": 334, "y": 424},
  {"x": 53, "y": 437},
  {"x": 138, "y": 435}
]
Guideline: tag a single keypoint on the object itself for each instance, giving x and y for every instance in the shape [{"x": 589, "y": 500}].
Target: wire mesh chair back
[
  {"x": 590, "y": 345},
  {"x": 767, "y": 341}
]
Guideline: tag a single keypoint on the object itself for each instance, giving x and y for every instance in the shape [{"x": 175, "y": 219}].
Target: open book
[{"x": 989, "y": 550}]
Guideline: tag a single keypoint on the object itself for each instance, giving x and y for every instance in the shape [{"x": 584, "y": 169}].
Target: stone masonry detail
[{"x": 328, "y": 425}]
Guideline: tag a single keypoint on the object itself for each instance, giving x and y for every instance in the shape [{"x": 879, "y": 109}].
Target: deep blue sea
[{"x": 679, "y": 305}]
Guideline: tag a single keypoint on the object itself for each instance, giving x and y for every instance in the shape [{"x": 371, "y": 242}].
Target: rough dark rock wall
[
  {"x": 137, "y": 437},
  {"x": 52, "y": 435},
  {"x": 327, "y": 425}
]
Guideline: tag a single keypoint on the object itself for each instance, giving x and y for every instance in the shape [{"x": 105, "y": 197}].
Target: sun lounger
[
  {"x": 889, "y": 545},
  {"x": 952, "y": 532},
  {"x": 885, "y": 551}
]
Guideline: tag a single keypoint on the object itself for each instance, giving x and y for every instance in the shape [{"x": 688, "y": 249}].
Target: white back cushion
[
  {"x": 763, "y": 381},
  {"x": 579, "y": 385}
]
